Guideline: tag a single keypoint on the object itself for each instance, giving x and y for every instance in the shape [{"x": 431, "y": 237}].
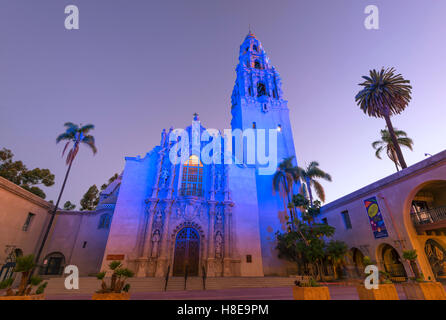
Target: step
[{"x": 88, "y": 285}]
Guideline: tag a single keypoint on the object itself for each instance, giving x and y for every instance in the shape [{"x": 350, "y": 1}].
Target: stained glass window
[{"x": 192, "y": 181}]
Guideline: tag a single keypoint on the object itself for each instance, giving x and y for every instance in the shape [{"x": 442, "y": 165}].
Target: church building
[{"x": 192, "y": 217}]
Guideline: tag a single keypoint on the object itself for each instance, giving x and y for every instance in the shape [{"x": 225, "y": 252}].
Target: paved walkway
[{"x": 283, "y": 293}]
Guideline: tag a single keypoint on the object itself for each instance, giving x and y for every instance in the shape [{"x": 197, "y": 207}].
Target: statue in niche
[
  {"x": 164, "y": 176},
  {"x": 218, "y": 245},
  {"x": 155, "y": 243},
  {"x": 158, "y": 218},
  {"x": 218, "y": 218}
]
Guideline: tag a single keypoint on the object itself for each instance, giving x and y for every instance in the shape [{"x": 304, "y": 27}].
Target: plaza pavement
[{"x": 337, "y": 292}]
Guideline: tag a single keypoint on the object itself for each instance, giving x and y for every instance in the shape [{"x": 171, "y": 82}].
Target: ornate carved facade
[{"x": 215, "y": 218}]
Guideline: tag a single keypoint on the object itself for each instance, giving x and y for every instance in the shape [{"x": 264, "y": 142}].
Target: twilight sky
[{"x": 136, "y": 67}]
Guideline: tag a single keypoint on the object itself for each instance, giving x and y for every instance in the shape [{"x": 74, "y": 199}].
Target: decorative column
[
  {"x": 162, "y": 259},
  {"x": 227, "y": 194},
  {"x": 211, "y": 237},
  {"x": 227, "y": 256}
]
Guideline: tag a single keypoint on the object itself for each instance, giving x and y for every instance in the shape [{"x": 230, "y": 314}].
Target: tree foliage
[
  {"x": 18, "y": 173},
  {"x": 24, "y": 266},
  {"x": 90, "y": 199},
  {"x": 113, "y": 178},
  {"x": 118, "y": 278},
  {"x": 69, "y": 206},
  {"x": 306, "y": 243},
  {"x": 383, "y": 95},
  {"x": 309, "y": 176},
  {"x": 76, "y": 135},
  {"x": 386, "y": 144}
]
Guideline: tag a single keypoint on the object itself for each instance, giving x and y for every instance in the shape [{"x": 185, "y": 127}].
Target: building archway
[
  {"x": 53, "y": 264},
  {"x": 187, "y": 252},
  {"x": 358, "y": 261},
  {"x": 425, "y": 220},
  {"x": 436, "y": 255},
  {"x": 391, "y": 262}
]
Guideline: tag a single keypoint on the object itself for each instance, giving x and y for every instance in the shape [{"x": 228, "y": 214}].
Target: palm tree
[
  {"x": 75, "y": 135},
  {"x": 385, "y": 94},
  {"x": 309, "y": 176},
  {"x": 284, "y": 179},
  {"x": 387, "y": 144}
]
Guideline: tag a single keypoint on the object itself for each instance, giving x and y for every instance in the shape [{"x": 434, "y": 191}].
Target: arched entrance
[
  {"x": 187, "y": 252},
  {"x": 54, "y": 264},
  {"x": 392, "y": 262},
  {"x": 436, "y": 255},
  {"x": 358, "y": 260}
]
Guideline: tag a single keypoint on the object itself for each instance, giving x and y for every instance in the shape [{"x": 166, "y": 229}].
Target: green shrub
[
  {"x": 114, "y": 265},
  {"x": 6, "y": 283},
  {"x": 126, "y": 288},
  {"x": 41, "y": 288}
]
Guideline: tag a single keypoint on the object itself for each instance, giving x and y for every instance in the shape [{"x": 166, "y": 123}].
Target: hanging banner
[{"x": 375, "y": 218}]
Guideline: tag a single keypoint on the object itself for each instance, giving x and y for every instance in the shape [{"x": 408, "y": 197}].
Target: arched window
[
  {"x": 192, "y": 180},
  {"x": 261, "y": 89},
  {"x": 254, "y": 47},
  {"x": 104, "y": 221},
  {"x": 257, "y": 64}
]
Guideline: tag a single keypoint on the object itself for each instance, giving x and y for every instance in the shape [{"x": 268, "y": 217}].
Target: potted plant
[
  {"x": 310, "y": 290},
  {"x": 118, "y": 289},
  {"x": 24, "y": 265},
  {"x": 386, "y": 289},
  {"x": 418, "y": 288}
]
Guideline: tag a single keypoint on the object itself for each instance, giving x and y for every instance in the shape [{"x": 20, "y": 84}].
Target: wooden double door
[{"x": 187, "y": 252}]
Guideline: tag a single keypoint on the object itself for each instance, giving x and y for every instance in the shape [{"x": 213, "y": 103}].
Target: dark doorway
[
  {"x": 392, "y": 262},
  {"x": 54, "y": 264},
  {"x": 187, "y": 252}
]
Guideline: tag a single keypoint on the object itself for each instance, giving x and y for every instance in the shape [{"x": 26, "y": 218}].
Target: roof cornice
[{"x": 19, "y": 191}]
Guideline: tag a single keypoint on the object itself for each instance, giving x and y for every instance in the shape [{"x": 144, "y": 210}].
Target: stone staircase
[{"x": 88, "y": 285}]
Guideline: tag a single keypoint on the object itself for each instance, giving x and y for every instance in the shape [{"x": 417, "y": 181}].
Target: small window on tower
[
  {"x": 254, "y": 125},
  {"x": 261, "y": 89},
  {"x": 254, "y": 47},
  {"x": 257, "y": 64}
]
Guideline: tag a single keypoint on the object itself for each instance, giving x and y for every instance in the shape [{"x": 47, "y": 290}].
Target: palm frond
[
  {"x": 65, "y": 136},
  {"x": 377, "y": 144},
  {"x": 319, "y": 190},
  {"x": 86, "y": 128},
  {"x": 407, "y": 142},
  {"x": 378, "y": 152},
  {"x": 89, "y": 141}
]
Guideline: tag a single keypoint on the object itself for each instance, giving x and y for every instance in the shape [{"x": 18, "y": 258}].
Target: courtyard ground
[{"x": 283, "y": 293}]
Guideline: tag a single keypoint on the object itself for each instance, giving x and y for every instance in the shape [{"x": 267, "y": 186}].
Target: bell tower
[
  {"x": 257, "y": 102},
  {"x": 257, "y": 98}
]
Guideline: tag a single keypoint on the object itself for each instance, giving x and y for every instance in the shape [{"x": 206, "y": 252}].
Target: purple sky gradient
[{"x": 136, "y": 67}]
